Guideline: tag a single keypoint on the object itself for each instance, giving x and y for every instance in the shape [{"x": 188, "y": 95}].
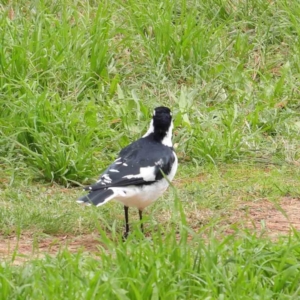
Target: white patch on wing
[
  {"x": 106, "y": 178},
  {"x": 159, "y": 163},
  {"x": 147, "y": 173},
  {"x": 150, "y": 130},
  {"x": 100, "y": 181},
  {"x": 114, "y": 170}
]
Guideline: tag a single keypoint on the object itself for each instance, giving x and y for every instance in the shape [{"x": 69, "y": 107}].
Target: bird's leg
[
  {"x": 141, "y": 220},
  {"x": 126, "y": 222}
]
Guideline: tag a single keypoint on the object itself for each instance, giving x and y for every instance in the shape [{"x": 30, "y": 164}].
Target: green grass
[
  {"x": 79, "y": 80},
  {"x": 167, "y": 268}
]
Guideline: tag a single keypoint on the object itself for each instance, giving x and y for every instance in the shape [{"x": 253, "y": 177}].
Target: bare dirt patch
[
  {"x": 264, "y": 216},
  {"x": 27, "y": 246}
]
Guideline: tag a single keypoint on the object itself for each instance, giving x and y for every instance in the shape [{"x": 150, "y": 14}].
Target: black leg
[
  {"x": 126, "y": 222},
  {"x": 141, "y": 220}
]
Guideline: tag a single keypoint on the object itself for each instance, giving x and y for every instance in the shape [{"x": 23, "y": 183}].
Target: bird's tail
[{"x": 97, "y": 197}]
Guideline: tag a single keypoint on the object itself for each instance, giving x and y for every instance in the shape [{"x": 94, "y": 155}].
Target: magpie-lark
[{"x": 142, "y": 171}]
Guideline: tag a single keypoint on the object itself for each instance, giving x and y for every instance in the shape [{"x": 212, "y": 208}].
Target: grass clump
[
  {"x": 243, "y": 268},
  {"x": 228, "y": 72}
]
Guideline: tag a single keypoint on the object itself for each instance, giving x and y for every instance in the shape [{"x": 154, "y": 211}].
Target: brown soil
[
  {"x": 264, "y": 217},
  {"x": 27, "y": 247},
  {"x": 272, "y": 219}
]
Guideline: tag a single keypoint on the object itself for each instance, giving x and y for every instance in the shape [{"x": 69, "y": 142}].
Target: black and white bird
[{"x": 142, "y": 171}]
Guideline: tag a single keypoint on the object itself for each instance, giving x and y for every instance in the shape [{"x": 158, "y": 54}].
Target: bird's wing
[{"x": 137, "y": 164}]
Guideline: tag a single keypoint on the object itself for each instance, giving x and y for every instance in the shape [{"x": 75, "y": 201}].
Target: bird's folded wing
[{"x": 129, "y": 172}]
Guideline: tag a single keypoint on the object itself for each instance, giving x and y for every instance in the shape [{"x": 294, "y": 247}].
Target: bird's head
[
  {"x": 161, "y": 126},
  {"x": 162, "y": 119}
]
